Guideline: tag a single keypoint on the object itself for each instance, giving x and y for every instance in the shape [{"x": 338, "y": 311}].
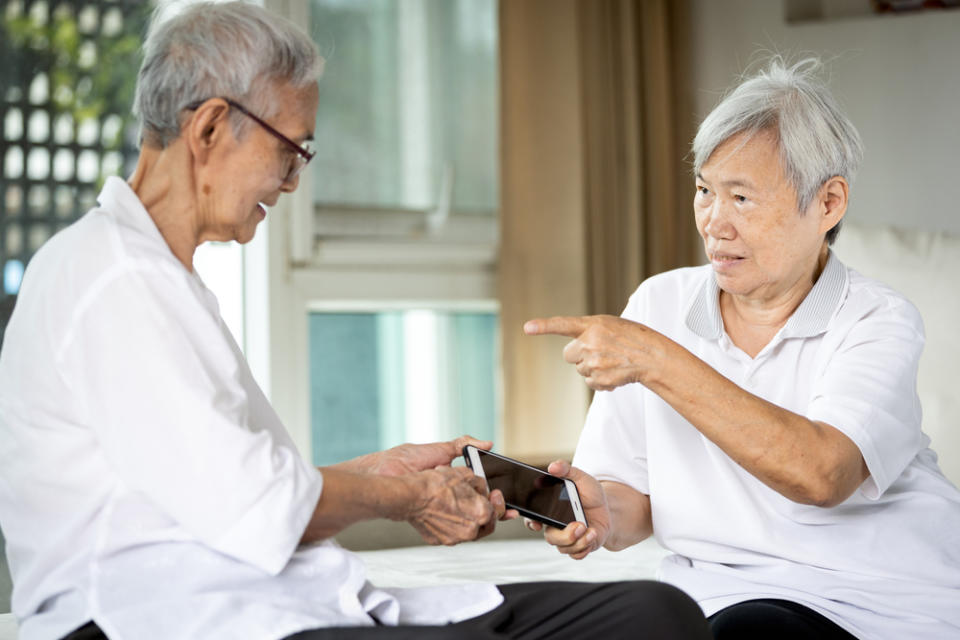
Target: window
[
  {"x": 408, "y": 104},
  {"x": 382, "y": 378},
  {"x": 66, "y": 86},
  {"x": 390, "y": 244}
]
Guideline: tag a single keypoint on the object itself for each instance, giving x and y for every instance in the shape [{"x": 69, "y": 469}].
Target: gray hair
[
  {"x": 209, "y": 49},
  {"x": 816, "y": 139}
]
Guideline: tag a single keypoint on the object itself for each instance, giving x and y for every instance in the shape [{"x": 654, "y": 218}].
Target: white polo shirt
[
  {"x": 145, "y": 481},
  {"x": 886, "y": 562}
]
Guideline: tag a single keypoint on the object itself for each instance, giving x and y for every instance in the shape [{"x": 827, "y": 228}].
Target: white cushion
[
  {"x": 923, "y": 266},
  {"x": 507, "y": 561}
]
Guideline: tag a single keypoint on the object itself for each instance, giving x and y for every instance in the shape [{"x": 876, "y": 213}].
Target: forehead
[
  {"x": 297, "y": 105},
  {"x": 746, "y": 157}
]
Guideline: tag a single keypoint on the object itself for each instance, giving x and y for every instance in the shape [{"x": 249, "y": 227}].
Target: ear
[
  {"x": 208, "y": 127},
  {"x": 831, "y": 203}
]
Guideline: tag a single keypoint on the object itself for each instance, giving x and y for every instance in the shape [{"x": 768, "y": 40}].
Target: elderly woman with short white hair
[{"x": 759, "y": 415}]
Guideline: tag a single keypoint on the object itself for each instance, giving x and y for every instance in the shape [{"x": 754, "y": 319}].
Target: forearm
[
  {"x": 806, "y": 461},
  {"x": 630, "y": 516},
  {"x": 445, "y": 505},
  {"x": 368, "y": 463},
  {"x": 349, "y": 497}
]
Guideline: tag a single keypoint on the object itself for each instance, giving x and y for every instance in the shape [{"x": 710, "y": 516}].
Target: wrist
[
  {"x": 404, "y": 496},
  {"x": 366, "y": 463},
  {"x": 661, "y": 364}
]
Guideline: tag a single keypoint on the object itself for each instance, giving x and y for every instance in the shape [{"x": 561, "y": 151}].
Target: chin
[{"x": 732, "y": 285}]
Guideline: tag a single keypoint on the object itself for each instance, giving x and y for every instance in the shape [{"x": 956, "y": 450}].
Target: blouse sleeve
[
  {"x": 163, "y": 388},
  {"x": 612, "y": 444},
  {"x": 868, "y": 390}
]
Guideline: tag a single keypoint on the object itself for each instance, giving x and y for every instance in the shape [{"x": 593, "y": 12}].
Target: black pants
[
  {"x": 586, "y": 610},
  {"x": 646, "y": 609},
  {"x": 780, "y": 619}
]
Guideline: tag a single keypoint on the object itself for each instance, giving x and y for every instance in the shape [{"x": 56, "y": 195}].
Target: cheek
[
  {"x": 778, "y": 246},
  {"x": 700, "y": 219}
]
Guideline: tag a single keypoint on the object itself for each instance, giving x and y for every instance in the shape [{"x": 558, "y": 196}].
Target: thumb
[{"x": 562, "y": 469}]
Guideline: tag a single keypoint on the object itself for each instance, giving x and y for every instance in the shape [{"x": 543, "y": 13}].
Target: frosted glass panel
[
  {"x": 381, "y": 379},
  {"x": 408, "y": 99}
]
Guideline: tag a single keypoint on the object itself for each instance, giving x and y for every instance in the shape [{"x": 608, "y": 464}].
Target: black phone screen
[{"x": 527, "y": 489}]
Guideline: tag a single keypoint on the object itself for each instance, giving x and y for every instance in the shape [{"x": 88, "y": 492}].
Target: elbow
[
  {"x": 826, "y": 490},
  {"x": 825, "y": 499},
  {"x": 832, "y": 479}
]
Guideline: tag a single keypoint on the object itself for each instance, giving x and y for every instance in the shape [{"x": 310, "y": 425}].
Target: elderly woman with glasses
[
  {"x": 147, "y": 488},
  {"x": 759, "y": 415}
]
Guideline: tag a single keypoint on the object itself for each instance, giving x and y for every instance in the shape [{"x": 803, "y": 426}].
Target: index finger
[
  {"x": 459, "y": 443},
  {"x": 570, "y": 326}
]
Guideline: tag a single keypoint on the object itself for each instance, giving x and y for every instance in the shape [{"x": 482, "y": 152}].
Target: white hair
[
  {"x": 209, "y": 49},
  {"x": 816, "y": 139}
]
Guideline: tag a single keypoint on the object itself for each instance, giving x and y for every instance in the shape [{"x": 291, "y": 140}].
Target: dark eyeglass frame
[{"x": 304, "y": 156}]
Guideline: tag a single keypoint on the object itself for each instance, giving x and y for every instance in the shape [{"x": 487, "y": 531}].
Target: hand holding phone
[{"x": 535, "y": 494}]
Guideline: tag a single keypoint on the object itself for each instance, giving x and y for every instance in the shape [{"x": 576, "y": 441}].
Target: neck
[
  {"x": 751, "y": 322},
  {"x": 163, "y": 182}
]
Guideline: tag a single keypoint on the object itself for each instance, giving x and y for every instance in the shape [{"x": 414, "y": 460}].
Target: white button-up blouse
[{"x": 145, "y": 481}]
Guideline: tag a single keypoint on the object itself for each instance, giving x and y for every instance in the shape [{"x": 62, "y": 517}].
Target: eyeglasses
[{"x": 303, "y": 155}]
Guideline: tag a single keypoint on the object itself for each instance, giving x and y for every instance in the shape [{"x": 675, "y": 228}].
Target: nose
[
  {"x": 716, "y": 222},
  {"x": 289, "y": 185}
]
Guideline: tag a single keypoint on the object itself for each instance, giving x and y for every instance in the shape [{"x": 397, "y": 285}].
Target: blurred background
[{"x": 480, "y": 163}]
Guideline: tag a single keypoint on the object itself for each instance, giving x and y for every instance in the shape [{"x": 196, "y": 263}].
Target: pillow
[{"x": 923, "y": 266}]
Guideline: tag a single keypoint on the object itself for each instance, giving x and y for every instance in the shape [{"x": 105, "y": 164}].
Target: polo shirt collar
[{"x": 811, "y": 317}]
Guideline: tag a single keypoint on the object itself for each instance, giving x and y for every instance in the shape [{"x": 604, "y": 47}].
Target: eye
[
  {"x": 739, "y": 198},
  {"x": 702, "y": 190}
]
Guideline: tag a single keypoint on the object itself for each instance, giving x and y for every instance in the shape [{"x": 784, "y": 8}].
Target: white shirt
[
  {"x": 145, "y": 481},
  {"x": 886, "y": 562}
]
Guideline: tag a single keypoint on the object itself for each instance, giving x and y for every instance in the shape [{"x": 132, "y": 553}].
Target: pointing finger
[{"x": 570, "y": 326}]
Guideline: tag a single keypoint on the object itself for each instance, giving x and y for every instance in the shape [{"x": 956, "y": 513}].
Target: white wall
[{"x": 897, "y": 76}]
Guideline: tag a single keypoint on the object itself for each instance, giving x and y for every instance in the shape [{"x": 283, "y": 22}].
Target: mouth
[
  {"x": 262, "y": 209},
  {"x": 722, "y": 261}
]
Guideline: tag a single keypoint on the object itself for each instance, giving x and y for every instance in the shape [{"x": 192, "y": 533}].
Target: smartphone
[{"x": 534, "y": 493}]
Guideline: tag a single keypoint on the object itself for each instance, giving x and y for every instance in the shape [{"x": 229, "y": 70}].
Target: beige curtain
[
  {"x": 638, "y": 192},
  {"x": 594, "y": 192}
]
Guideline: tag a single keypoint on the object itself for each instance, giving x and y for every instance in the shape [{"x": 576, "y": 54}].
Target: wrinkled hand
[
  {"x": 411, "y": 458},
  {"x": 608, "y": 351},
  {"x": 576, "y": 540},
  {"x": 451, "y": 506}
]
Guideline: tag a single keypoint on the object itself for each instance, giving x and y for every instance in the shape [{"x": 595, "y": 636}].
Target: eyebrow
[{"x": 731, "y": 183}]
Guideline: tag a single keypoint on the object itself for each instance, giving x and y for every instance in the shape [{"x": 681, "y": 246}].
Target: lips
[
  {"x": 724, "y": 261},
  {"x": 724, "y": 257}
]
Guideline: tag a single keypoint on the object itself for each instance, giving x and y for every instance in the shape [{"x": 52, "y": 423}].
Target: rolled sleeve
[
  {"x": 169, "y": 398},
  {"x": 868, "y": 391}
]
